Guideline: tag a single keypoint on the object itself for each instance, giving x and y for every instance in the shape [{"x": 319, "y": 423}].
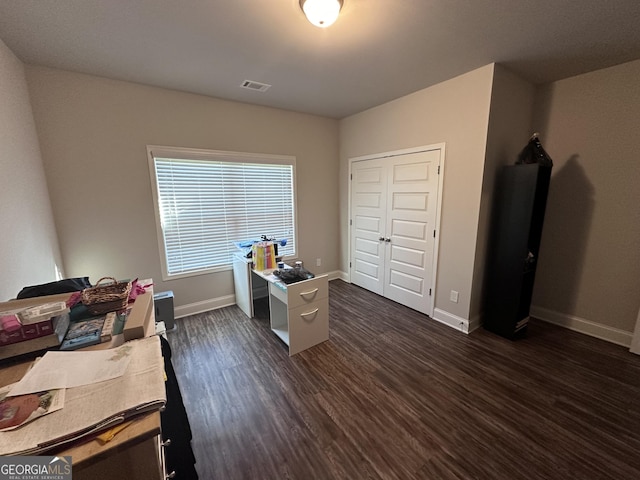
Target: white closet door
[
  {"x": 393, "y": 214},
  {"x": 368, "y": 218},
  {"x": 410, "y": 228}
]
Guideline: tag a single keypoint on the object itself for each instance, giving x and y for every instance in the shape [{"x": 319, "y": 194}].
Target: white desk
[{"x": 298, "y": 312}]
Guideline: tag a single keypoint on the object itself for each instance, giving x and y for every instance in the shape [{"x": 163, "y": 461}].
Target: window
[{"x": 207, "y": 200}]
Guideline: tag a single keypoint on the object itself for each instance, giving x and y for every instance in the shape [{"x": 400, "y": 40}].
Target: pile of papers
[{"x": 70, "y": 395}]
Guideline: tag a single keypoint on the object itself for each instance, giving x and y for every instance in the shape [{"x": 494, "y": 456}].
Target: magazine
[{"x": 16, "y": 411}]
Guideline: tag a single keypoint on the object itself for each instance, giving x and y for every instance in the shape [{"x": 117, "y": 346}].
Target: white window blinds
[{"x": 205, "y": 205}]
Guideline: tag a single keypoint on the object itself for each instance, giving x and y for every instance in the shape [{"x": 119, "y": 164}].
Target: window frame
[{"x": 184, "y": 153}]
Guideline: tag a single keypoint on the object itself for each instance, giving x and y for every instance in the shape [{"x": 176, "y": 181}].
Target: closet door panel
[
  {"x": 411, "y": 212},
  {"x": 369, "y": 209},
  {"x": 393, "y": 214}
]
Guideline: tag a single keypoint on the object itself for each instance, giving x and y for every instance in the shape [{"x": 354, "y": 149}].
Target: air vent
[{"x": 257, "y": 86}]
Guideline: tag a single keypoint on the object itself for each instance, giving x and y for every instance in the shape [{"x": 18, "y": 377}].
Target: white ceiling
[{"x": 378, "y": 50}]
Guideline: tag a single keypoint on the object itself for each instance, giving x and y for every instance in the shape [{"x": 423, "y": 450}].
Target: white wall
[
  {"x": 589, "y": 267},
  {"x": 29, "y": 252},
  {"x": 455, "y": 112},
  {"x": 94, "y": 134}
]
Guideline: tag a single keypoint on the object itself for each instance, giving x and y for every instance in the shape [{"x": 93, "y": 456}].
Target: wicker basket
[{"x": 101, "y": 299}]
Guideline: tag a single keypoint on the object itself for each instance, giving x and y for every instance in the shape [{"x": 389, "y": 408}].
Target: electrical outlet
[
  {"x": 454, "y": 296},
  {"x": 318, "y": 262}
]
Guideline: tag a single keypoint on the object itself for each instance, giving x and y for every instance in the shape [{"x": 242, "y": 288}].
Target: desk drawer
[
  {"x": 308, "y": 325},
  {"x": 307, "y": 292}
]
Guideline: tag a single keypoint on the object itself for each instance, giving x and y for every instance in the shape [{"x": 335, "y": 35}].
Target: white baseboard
[
  {"x": 204, "y": 306},
  {"x": 338, "y": 275},
  {"x": 451, "y": 320},
  {"x": 475, "y": 323},
  {"x": 577, "y": 324},
  {"x": 635, "y": 341}
]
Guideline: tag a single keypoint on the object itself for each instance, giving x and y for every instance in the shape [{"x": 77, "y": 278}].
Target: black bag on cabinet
[
  {"x": 67, "y": 285},
  {"x": 534, "y": 153}
]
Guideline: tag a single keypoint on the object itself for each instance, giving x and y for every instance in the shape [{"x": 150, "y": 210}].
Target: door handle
[
  {"x": 381, "y": 239},
  {"x": 388, "y": 240}
]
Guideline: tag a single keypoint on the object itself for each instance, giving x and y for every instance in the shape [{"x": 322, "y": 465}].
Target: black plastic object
[
  {"x": 175, "y": 424},
  {"x": 293, "y": 275},
  {"x": 53, "y": 288},
  {"x": 534, "y": 153}
]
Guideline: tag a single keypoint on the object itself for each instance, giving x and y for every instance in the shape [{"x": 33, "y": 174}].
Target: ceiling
[{"x": 377, "y": 51}]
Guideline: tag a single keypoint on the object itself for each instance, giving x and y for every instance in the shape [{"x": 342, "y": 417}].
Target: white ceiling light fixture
[{"x": 321, "y": 13}]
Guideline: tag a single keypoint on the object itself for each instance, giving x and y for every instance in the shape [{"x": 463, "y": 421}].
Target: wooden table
[{"x": 136, "y": 451}]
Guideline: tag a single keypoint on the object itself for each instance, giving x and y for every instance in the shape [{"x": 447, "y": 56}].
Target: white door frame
[{"x": 436, "y": 245}]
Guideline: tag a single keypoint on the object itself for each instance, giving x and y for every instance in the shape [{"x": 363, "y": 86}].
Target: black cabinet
[{"x": 518, "y": 216}]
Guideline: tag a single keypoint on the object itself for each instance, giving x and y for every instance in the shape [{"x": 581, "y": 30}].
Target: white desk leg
[{"x": 243, "y": 286}]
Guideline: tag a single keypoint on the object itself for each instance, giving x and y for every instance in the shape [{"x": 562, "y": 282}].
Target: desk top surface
[{"x": 141, "y": 428}]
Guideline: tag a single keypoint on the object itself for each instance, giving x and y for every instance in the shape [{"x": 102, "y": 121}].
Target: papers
[
  {"x": 73, "y": 369},
  {"x": 16, "y": 411},
  {"x": 94, "y": 407}
]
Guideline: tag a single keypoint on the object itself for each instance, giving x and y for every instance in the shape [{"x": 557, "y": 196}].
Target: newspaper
[
  {"x": 91, "y": 408},
  {"x": 17, "y": 411},
  {"x": 74, "y": 369}
]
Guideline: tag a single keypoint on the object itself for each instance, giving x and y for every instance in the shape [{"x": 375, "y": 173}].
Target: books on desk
[
  {"x": 35, "y": 328},
  {"x": 26, "y": 332},
  {"x": 91, "y": 331},
  {"x": 34, "y": 337},
  {"x": 138, "y": 324},
  {"x": 89, "y": 409},
  {"x": 54, "y": 332}
]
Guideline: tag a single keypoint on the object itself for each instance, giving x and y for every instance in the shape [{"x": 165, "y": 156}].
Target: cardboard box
[
  {"x": 32, "y": 302},
  {"x": 141, "y": 317}
]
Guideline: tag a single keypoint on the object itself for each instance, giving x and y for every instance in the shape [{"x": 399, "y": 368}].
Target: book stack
[
  {"x": 91, "y": 331},
  {"x": 32, "y": 329}
]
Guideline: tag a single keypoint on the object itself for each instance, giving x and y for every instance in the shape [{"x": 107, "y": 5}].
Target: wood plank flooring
[{"x": 396, "y": 395}]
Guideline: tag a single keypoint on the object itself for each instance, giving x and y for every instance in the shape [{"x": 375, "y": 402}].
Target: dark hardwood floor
[{"x": 396, "y": 395}]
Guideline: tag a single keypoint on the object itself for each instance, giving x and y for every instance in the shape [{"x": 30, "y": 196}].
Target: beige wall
[
  {"x": 590, "y": 257},
  {"x": 455, "y": 112},
  {"x": 94, "y": 132},
  {"x": 29, "y": 250},
  {"x": 509, "y": 131}
]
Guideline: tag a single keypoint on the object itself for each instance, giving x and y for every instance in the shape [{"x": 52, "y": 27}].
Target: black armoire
[{"x": 518, "y": 216}]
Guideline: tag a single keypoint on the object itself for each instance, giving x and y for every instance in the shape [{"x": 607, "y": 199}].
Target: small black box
[{"x": 163, "y": 303}]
